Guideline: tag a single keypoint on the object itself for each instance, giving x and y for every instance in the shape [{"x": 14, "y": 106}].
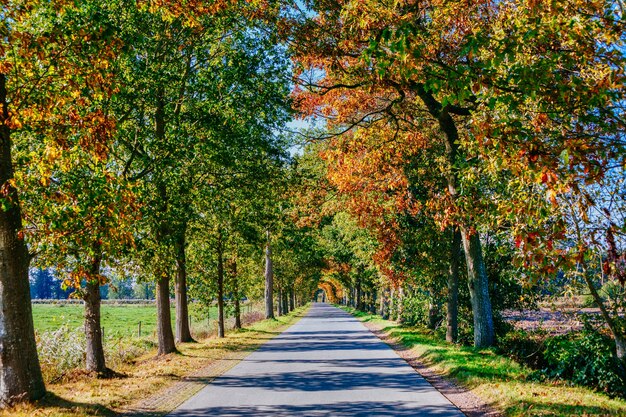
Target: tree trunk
[
  {"x": 620, "y": 344},
  {"x": 616, "y": 329},
  {"x": 359, "y": 296},
  {"x": 279, "y": 301},
  {"x": 93, "y": 331},
  {"x": 20, "y": 374},
  {"x": 220, "y": 290},
  {"x": 484, "y": 332},
  {"x": 236, "y": 295},
  {"x": 183, "y": 333},
  {"x": 452, "y": 315},
  {"x": 373, "y": 303},
  {"x": 269, "y": 281},
  {"x": 292, "y": 299},
  {"x": 400, "y": 304},
  {"x": 285, "y": 295},
  {"x": 433, "y": 313},
  {"x": 164, "y": 316},
  {"x": 392, "y": 304}
]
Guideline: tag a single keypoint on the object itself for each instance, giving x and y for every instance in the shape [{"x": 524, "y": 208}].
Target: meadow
[{"x": 117, "y": 319}]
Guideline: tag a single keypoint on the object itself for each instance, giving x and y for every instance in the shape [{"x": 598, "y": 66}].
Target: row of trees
[
  {"x": 144, "y": 137},
  {"x": 141, "y": 139},
  {"x": 452, "y": 132}
]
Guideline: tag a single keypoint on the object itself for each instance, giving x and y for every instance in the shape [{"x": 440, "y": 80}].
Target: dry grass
[{"x": 82, "y": 395}]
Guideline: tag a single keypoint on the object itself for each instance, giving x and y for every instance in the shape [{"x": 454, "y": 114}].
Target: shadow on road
[
  {"x": 347, "y": 409},
  {"x": 325, "y": 381}
]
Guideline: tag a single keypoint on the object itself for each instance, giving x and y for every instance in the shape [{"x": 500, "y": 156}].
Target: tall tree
[{"x": 48, "y": 81}]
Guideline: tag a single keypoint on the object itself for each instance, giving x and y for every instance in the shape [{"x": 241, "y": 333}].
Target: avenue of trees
[
  {"x": 452, "y": 127},
  {"x": 461, "y": 158},
  {"x": 144, "y": 140}
]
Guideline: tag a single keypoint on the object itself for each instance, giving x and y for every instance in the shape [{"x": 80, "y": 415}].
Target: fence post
[{"x": 139, "y": 330}]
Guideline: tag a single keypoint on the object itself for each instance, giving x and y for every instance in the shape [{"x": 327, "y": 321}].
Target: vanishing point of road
[{"x": 327, "y": 364}]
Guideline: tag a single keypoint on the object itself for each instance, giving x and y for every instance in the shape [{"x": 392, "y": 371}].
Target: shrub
[
  {"x": 124, "y": 350},
  {"x": 415, "y": 309},
  {"x": 611, "y": 292},
  {"x": 525, "y": 347},
  {"x": 586, "y": 359}
]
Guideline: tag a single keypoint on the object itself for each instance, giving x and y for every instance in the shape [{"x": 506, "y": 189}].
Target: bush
[
  {"x": 586, "y": 359},
  {"x": 415, "y": 309},
  {"x": 525, "y": 347},
  {"x": 611, "y": 292}
]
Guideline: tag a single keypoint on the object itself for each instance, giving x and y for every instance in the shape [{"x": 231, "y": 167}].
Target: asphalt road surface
[{"x": 327, "y": 364}]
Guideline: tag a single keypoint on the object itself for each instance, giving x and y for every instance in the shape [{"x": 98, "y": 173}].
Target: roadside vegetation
[
  {"x": 142, "y": 374},
  {"x": 443, "y": 164},
  {"x": 509, "y": 385}
]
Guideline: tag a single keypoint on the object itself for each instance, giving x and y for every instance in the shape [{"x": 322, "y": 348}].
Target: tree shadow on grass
[
  {"x": 550, "y": 409},
  {"x": 51, "y": 400},
  {"x": 246, "y": 330}
]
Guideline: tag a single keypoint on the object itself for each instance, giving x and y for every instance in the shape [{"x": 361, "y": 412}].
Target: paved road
[{"x": 327, "y": 364}]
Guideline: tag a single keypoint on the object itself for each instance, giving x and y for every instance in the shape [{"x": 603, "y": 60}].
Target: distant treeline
[{"x": 45, "y": 284}]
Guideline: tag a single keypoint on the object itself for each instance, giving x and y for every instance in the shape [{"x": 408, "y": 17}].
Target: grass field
[{"x": 118, "y": 320}]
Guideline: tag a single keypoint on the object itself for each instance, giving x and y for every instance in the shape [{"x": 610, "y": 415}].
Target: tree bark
[
  {"x": 20, "y": 374},
  {"x": 400, "y": 304},
  {"x": 292, "y": 299},
  {"x": 279, "y": 301},
  {"x": 236, "y": 294},
  {"x": 164, "y": 316},
  {"x": 93, "y": 331},
  {"x": 285, "y": 298},
  {"x": 484, "y": 332},
  {"x": 359, "y": 296},
  {"x": 373, "y": 303},
  {"x": 220, "y": 289},
  {"x": 452, "y": 315},
  {"x": 269, "y": 281},
  {"x": 620, "y": 344},
  {"x": 183, "y": 332}
]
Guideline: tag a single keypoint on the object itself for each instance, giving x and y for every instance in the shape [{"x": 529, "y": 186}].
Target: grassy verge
[
  {"x": 498, "y": 380},
  {"x": 82, "y": 395}
]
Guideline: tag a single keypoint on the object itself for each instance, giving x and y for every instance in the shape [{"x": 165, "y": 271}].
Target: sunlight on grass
[{"x": 498, "y": 380}]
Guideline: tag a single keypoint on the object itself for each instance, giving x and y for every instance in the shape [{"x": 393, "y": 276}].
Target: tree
[
  {"x": 47, "y": 78},
  {"x": 359, "y": 87}
]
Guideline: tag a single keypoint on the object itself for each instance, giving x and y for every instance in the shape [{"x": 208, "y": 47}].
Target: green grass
[
  {"x": 497, "y": 379},
  {"x": 119, "y": 320}
]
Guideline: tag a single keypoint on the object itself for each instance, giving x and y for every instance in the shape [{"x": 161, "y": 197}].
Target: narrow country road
[{"x": 327, "y": 364}]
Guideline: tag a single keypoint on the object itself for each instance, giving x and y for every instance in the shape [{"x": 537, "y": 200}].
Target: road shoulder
[
  {"x": 470, "y": 404},
  {"x": 171, "y": 396}
]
